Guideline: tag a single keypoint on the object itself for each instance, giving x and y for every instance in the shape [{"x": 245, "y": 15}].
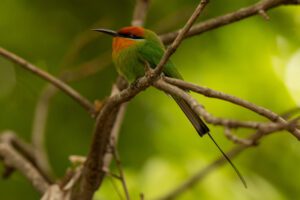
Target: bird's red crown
[{"x": 132, "y": 30}]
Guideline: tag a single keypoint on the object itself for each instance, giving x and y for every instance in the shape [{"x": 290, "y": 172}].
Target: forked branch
[{"x": 243, "y": 13}]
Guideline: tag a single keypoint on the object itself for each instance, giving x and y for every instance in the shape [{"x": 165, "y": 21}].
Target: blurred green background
[{"x": 254, "y": 59}]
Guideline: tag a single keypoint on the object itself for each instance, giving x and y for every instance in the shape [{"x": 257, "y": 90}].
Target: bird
[{"x": 132, "y": 47}]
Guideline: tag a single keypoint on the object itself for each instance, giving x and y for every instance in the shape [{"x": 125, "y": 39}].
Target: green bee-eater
[{"x": 133, "y": 47}]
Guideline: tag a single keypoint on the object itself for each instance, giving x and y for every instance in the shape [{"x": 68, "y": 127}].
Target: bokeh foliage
[{"x": 254, "y": 59}]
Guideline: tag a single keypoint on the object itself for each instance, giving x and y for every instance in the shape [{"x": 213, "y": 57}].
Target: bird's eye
[
  {"x": 135, "y": 36},
  {"x": 130, "y": 35}
]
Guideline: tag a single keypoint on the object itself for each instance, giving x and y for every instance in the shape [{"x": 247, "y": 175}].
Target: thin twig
[
  {"x": 228, "y": 18},
  {"x": 80, "y": 41},
  {"x": 48, "y": 77},
  {"x": 25, "y": 150},
  {"x": 39, "y": 128},
  {"x": 172, "y": 19},
  {"x": 201, "y": 174},
  {"x": 264, "y": 14},
  {"x": 11, "y": 138},
  {"x": 198, "y": 108},
  {"x": 218, "y": 121},
  {"x": 120, "y": 168},
  {"x": 243, "y": 103},
  {"x": 235, "y": 139},
  {"x": 12, "y": 158},
  {"x": 190, "y": 182},
  {"x": 87, "y": 68},
  {"x": 175, "y": 44},
  {"x": 288, "y": 114},
  {"x": 115, "y": 187}
]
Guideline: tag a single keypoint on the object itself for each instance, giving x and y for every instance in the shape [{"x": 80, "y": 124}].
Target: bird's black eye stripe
[{"x": 132, "y": 36}]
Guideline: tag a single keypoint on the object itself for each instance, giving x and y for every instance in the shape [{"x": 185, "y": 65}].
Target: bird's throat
[{"x": 120, "y": 44}]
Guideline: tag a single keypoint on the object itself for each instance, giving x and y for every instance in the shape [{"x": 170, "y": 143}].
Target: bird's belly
[{"x": 130, "y": 68}]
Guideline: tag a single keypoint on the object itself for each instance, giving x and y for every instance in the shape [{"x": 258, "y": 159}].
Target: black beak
[{"x": 106, "y": 31}]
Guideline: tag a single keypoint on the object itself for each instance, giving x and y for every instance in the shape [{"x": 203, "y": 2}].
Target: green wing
[{"x": 152, "y": 52}]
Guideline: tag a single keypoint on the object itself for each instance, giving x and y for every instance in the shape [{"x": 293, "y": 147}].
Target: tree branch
[
  {"x": 92, "y": 174},
  {"x": 243, "y": 103},
  {"x": 140, "y": 12},
  {"x": 229, "y": 18},
  {"x": 41, "y": 111},
  {"x": 13, "y": 157},
  {"x": 235, "y": 139},
  {"x": 106, "y": 127},
  {"x": 179, "y": 37},
  {"x": 26, "y": 150},
  {"x": 39, "y": 128},
  {"x": 48, "y": 77},
  {"x": 119, "y": 166}
]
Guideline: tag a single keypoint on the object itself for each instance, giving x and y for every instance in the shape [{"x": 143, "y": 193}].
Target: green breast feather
[{"x": 128, "y": 64}]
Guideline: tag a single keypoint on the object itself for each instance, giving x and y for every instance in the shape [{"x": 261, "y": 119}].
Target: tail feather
[
  {"x": 196, "y": 121},
  {"x": 202, "y": 129}
]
